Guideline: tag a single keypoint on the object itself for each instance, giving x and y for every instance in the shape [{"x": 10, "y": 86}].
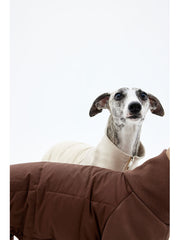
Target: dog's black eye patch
[
  {"x": 118, "y": 96},
  {"x": 143, "y": 95}
]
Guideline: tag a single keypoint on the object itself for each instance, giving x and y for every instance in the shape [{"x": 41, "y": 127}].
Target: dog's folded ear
[
  {"x": 100, "y": 103},
  {"x": 155, "y": 105}
]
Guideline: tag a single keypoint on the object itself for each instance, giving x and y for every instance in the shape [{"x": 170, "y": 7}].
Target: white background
[
  {"x": 66, "y": 53},
  {"x": 174, "y": 120}
]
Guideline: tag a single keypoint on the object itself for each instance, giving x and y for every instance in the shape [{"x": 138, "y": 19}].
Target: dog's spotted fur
[{"x": 123, "y": 130}]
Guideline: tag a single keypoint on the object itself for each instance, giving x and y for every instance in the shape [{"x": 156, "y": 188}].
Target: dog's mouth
[{"x": 134, "y": 116}]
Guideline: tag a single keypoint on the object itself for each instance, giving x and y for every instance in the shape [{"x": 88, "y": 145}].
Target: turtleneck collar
[{"x": 110, "y": 156}]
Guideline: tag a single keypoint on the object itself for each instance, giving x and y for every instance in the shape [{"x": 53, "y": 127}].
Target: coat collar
[{"x": 113, "y": 157}]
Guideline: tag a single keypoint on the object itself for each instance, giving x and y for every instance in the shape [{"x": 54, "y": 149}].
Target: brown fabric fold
[{"x": 72, "y": 202}]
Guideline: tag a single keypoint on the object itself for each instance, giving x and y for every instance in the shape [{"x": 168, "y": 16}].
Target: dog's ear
[
  {"x": 100, "y": 103},
  {"x": 155, "y": 105}
]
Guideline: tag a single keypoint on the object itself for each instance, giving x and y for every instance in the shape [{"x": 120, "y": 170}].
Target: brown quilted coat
[{"x": 54, "y": 201}]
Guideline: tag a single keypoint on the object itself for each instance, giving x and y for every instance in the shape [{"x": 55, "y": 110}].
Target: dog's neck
[{"x": 125, "y": 136}]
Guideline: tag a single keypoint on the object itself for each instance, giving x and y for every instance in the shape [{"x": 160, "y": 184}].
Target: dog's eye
[
  {"x": 143, "y": 96},
  {"x": 118, "y": 96}
]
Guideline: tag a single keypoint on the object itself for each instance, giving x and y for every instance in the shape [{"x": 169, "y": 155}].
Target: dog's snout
[{"x": 134, "y": 107}]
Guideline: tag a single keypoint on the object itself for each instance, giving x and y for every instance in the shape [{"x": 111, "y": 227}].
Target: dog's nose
[{"x": 134, "y": 107}]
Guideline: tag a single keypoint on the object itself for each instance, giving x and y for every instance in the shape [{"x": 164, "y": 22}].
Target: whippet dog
[{"x": 120, "y": 148}]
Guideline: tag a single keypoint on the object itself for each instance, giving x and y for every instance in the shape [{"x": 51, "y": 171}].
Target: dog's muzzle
[{"x": 134, "y": 108}]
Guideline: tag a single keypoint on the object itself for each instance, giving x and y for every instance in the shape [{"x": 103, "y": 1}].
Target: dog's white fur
[
  {"x": 120, "y": 148},
  {"x": 130, "y": 132}
]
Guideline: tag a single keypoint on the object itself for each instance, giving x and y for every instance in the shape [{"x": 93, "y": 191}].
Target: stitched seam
[
  {"x": 79, "y": 155},
  {"x": 36, "y": 197},
  {"x": 84, "y": 198},
  {"x": 74, "y": 196},
  {"x": 145, "y": 203},
  {"x": 114, "y": 211},
  {"x": 81, "y": 217}
]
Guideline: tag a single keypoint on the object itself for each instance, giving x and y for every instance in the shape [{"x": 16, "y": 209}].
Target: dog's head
[{"x": 127, "y": 105}]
